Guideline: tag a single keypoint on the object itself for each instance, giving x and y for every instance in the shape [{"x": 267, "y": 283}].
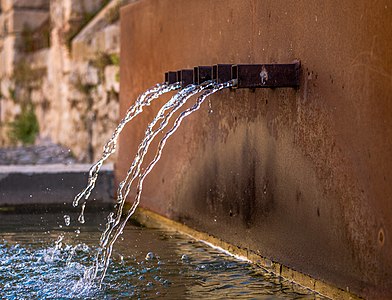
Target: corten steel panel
[{"x": 301, "y": 176}]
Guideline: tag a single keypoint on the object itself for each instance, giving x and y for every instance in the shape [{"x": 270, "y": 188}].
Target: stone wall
[
  {"x": 16, "y": 18},
  {"x": 75, "y": 96}
]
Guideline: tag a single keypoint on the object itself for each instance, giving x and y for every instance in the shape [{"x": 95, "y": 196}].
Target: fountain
[
  {"x": 80, "y": 270},
  {"x": 206, "y": 79},
  {"x": 293, "y": 179}
]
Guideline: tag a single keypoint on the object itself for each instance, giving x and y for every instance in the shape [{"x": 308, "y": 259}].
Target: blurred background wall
[{"x": 59, "y": 73}]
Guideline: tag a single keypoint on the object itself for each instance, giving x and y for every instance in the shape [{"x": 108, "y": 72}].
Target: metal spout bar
[
  {"x": 202, "y": 74},
  {"x": 170, "y": 77},
  {"x": 244, "y": 75},
  {"x": 185, "y": 77},
  {"x": 266, "y": 75},
  {"x": 221, "y": 73}
]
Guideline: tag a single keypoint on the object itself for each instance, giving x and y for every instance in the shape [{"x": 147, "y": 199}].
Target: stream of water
[{"x": 114, "y": 225}]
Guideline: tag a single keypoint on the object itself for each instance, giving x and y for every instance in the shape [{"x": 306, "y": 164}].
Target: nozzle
[
  {"x": 221, "y": 73},
  {"x": 170, "y": 77},
  {"x": 202, "y": 74},
  {"x": 185, "y": 77}
]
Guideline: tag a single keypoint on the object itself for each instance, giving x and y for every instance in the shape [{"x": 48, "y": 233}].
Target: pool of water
[{"x": 146, "y": 263}]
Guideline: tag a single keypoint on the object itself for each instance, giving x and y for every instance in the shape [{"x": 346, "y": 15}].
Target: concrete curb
[
  {"x": 51, "y": 185},
  {"x": 150, "y": 219}
]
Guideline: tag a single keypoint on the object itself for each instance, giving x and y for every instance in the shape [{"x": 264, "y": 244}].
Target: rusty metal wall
[{"x": 300, "y": 176}]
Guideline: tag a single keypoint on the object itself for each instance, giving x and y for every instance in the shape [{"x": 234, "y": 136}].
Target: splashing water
[
  {"x": 144, "y": 99},
  {"x": 114, "y": 226},
  {"x": 78, "y": 271},
  {"x": 67, "y": 220},
  {"x": 110, "y": 237},
  {"x": 81, "y": 216}
]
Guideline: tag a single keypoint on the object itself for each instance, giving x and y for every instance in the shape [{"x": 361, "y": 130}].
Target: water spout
[
  {"x": 175, "y": 103},
  {"x": 144, "y": 99}
]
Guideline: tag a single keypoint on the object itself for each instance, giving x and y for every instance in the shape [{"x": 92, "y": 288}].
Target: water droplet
[
  {"x": 81, "y": 216},
  {"x": 58, "y": 244},
  {"x": 150, "y": 256},
  {"x": 185, "y": 258},
  {"x": 166, "y": 282},
  {"x": 210, "y": 111},
  {"x": 67, "y": 220}
]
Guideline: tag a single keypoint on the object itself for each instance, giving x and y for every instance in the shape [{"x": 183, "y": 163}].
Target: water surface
[{"x": 146, "y": 263}]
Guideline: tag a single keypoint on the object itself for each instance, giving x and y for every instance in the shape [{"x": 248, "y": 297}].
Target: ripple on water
[{"x": 147, "y": 263}]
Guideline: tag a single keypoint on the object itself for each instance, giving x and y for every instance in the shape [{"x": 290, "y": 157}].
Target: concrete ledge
[
  {"x": 51, "y": 186},
  {"x": 151, "y": 219}
]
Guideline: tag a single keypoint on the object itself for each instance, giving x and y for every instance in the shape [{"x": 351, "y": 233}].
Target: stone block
[
  {"x": 112, "y": 78},
  {"x": 32, "y": 18},
  {"x": 112, "y": 38}
]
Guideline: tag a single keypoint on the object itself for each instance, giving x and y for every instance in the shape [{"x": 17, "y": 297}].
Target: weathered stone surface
[
  {"x": 71, "y": 96},
  {"x": 112, "y": 78}
]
